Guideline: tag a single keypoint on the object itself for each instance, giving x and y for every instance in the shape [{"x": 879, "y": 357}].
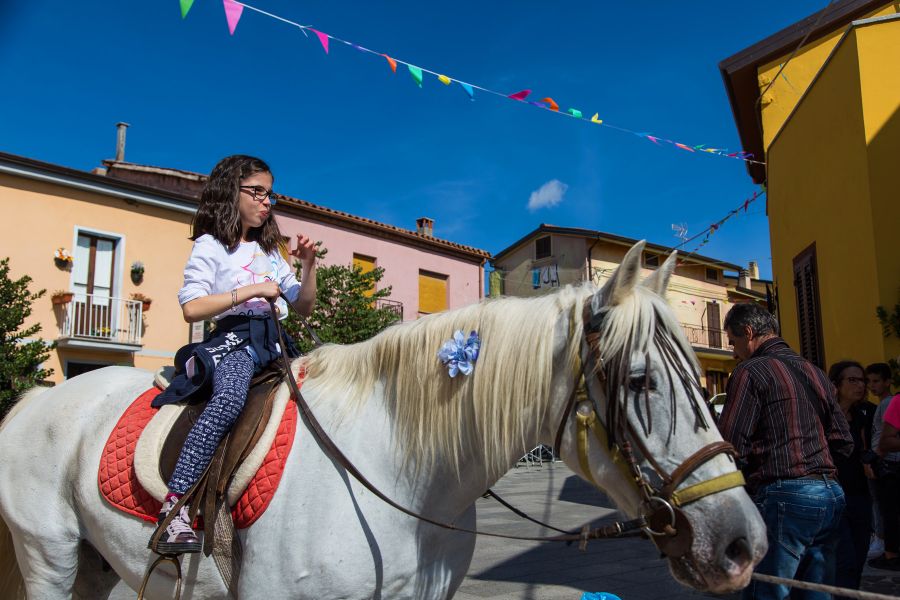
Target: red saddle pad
[{"x": 120, "y": 487}]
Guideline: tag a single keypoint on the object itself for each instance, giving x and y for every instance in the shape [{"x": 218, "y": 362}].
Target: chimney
[
  {"x": 120, "y": 141},
  {"x": 754, "y": 269},
  {"x": 744, "y": 279},
  {"x": 425, "y": 226}
]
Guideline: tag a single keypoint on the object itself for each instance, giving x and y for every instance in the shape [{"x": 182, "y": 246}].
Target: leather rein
[{"x": 663, "y": 519}]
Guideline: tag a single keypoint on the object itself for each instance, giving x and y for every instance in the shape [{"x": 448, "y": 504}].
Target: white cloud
[{"x": 548, "y": 195}]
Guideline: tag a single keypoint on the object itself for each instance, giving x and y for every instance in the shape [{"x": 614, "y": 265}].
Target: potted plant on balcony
[
  {"x": 144, "y": 300},
  {"x": 60, "y": 297}
]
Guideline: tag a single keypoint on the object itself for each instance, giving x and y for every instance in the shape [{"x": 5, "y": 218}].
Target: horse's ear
[
  {"x": 622, "y": 282},
  {"x": 659, "y": 280}
]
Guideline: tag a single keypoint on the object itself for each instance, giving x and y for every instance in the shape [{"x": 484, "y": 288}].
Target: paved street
[{"x": 629, "y": 568}]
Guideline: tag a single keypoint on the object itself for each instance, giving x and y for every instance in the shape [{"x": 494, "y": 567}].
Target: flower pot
[
  {"x": 62, "y": 299},
  {"x": 145, "y": 306}
]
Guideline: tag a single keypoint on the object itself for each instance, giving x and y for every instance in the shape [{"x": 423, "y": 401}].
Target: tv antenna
[{"x": 681, "y": 231}]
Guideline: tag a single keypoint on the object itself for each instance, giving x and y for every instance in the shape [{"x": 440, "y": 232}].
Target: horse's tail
[
  {"x": 12, "y": 585},
  {"x": 23, "y": 400}
]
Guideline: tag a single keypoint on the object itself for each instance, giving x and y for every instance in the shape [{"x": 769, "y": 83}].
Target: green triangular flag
[
  {"x": 416, "y": 73},
  {"x": 185, "y": 7},
  {"x": 575, "y": 112}
]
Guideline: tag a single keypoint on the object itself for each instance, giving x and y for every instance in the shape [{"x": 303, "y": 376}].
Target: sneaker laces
[{"x": 180, "y": 524}]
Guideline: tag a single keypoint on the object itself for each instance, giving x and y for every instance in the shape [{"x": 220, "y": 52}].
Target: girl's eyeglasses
[{"x": 260, "y": 193}]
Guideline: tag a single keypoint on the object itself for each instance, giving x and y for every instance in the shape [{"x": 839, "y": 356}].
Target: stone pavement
[{"x": 629, "y": 568}]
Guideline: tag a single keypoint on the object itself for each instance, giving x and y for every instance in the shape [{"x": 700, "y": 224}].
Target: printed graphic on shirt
[{"x": 260, "y": 268}]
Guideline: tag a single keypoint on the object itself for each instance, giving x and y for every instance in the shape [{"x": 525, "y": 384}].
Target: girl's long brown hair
[{"x": 218, "y": 213}]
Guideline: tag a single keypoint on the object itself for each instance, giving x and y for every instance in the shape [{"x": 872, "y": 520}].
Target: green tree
[
  {"x": 890, "y": 325},
  {"x": 347, "y": 310},
  {"x": 20, "y": 360}
]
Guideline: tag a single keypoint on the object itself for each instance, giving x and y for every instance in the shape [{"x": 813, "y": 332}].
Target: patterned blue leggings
[{"x": 231, "y": 381}]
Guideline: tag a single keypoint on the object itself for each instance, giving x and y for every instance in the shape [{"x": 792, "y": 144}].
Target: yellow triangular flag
[
  {"x": 444, "y": 79},
  {"x": 594, "y": 119}
]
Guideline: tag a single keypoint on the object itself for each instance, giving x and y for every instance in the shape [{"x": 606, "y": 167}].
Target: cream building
[{"x": 700, "y": 292}]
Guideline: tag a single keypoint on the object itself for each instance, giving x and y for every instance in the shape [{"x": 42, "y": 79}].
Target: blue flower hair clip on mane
[{"x": 460, "y": 354}]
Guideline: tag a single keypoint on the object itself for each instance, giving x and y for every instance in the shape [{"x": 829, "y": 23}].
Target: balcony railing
[
  {"x": 101, "y": 321},
  {"x": 393, "y": 305},
  {"x": 704, "y": 336}
]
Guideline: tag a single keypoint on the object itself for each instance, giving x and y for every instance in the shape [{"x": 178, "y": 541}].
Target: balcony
[
  {"x": 704, "y": 336},
  {"x": 392, "y": 305},
  {"x": 101, "y": 323}
]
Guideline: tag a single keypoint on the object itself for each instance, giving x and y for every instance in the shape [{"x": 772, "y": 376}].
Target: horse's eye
[{"x": 637, "y": 383}]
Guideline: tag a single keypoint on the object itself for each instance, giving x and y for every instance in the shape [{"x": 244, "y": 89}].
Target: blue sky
[{"x": 343, "y": 131}]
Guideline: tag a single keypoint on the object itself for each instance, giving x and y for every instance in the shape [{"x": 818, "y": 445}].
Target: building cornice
[{"x": 592, "y": 235}]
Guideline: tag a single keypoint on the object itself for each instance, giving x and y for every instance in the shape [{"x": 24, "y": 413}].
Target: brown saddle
[{"x": 209, "y": 493}]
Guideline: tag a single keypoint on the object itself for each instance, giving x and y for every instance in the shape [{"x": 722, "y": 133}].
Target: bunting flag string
[
  {"x": 709, "y": 231},
  {"x": 234, "y": 8}
]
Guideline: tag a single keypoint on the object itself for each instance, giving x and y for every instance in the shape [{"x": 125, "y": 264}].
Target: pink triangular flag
[
  {"x": 520, "y": 95},
  {"x": 323, "y": 38},
  {"x": 233, "y": 12}
]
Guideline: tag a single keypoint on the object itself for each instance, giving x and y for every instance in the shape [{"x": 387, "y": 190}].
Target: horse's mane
[{"x": 493, "y": 412}]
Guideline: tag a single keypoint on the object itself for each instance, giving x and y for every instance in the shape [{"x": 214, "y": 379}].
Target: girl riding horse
[{"x": 234, "y": 270}]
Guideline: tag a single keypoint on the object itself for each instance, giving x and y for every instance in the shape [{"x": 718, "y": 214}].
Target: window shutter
[
  {"x": 806, "y": 287},
  {"x": 432, "y": 292}
]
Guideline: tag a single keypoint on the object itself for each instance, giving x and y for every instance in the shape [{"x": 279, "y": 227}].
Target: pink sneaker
[{"x": 179, "y": 536}]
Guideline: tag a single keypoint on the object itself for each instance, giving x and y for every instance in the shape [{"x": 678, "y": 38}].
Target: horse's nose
[{"x": 737, "y": 556}]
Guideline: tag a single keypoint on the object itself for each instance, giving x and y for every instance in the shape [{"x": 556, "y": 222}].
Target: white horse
[{"x": 429, "y": 442}]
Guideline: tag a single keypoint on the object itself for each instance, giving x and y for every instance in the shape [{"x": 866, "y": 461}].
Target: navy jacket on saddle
[{"x": 231, "y": 334}]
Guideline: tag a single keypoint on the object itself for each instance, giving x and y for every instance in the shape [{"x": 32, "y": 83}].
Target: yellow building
[
  {"x": 828, "y": 126},
  {"x": 700, "y": 292}
]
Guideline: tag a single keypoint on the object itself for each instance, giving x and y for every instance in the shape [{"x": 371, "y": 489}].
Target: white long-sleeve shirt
[{"x": 212, "y": 269}]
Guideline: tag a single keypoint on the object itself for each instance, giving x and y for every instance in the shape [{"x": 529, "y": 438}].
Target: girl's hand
[
  {"x": 305, "y": 251},
  {"x": 266, "y": 289}
]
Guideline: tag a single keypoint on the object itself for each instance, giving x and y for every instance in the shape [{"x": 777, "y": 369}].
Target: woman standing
[{"x": 849, "y": 379}]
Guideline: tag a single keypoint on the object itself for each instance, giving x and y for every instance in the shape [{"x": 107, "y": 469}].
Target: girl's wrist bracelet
[{"x": 233, "y": 298}]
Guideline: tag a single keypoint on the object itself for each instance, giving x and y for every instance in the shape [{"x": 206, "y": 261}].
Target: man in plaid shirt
[{"x": 782, "y": 417}]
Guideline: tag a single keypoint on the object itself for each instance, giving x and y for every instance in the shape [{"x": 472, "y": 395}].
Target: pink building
[{"x": 426, "y": 274}]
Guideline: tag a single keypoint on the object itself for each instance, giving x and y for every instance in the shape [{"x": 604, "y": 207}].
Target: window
[
  {"x": 73, "y": 369},
  {"x": 714, "y": 324},
  {"x": 715, "y": 382},
  {"x": 94, "y": 311},
  {"x": 651, "y": 261},
  {"x": 809, "y": 320},
  {"x": 542, "y": 248},
  {"x": 93, "y": 268},
  {"x": 432, "y": 292},
  {"x": 712, "y": 274},
  {"x": 366, "y": 264}
]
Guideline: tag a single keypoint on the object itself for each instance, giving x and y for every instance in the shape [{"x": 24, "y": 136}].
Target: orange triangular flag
[
  {"x": 391, "y": 62},
  {"x": 553, "y": 105}
]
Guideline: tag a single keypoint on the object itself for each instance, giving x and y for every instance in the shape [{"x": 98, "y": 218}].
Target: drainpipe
[{"x": 120, "y": 141}]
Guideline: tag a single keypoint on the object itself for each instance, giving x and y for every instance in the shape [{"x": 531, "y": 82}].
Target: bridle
[{"x": 667, "y": 525}]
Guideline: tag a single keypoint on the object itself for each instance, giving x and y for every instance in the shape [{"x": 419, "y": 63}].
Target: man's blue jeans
[{"x": 803, "y": 519}]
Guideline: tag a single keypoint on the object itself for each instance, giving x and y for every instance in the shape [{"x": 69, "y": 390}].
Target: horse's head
[{"x": 639, "y": 429}]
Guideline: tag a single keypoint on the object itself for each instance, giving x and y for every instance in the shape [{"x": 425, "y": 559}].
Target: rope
[{"x": 820, "y": 587}]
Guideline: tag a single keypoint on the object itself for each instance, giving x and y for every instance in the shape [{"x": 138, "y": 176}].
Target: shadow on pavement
[{"x": 577, "y": 490}]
